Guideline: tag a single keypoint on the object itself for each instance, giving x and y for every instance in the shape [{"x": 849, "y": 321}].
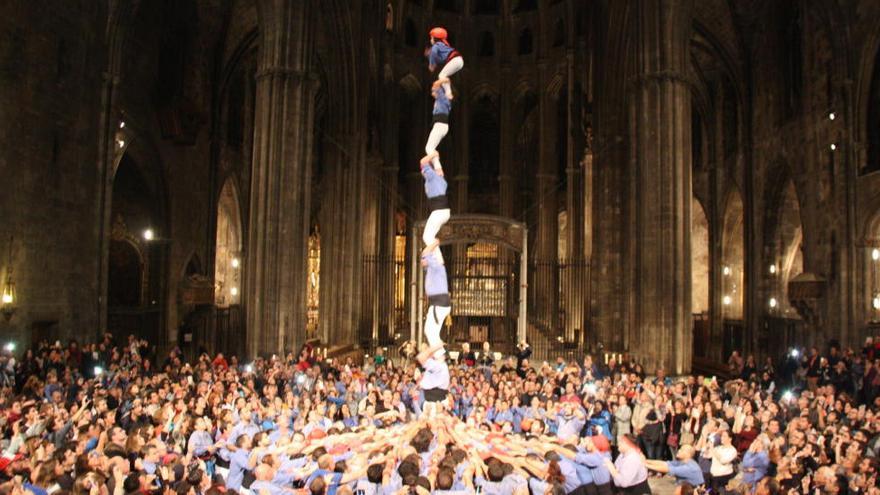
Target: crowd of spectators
[{"x": 111, "y": 417}]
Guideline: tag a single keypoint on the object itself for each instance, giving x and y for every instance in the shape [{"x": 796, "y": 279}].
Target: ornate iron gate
[{"x": 490, "y": 286}]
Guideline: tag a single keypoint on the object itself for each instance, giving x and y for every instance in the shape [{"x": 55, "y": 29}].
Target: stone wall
[{"x": 50, "y": 90}]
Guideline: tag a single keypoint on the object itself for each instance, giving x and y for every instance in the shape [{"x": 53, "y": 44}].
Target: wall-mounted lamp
[
  {"x": 773, "y": 269},
  {"x": 773, "y": 303},
  {"x": 875, "y": 254},
  {"x": 8, "y": 300},
  {"x": 725, "y": 270},
  {"x": 727, "y": 300},
  {"x": 149, "y": 235}
]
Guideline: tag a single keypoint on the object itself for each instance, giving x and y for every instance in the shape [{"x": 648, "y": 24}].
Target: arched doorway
[
  {"x": 228, "y": 265},
  {"x": 790, "y": 255},
  {"x": 136, "y": 256},
  {"x": 784, "y": 326},
  {"x": 732, "y": 273},
  {"x": 227, "y": 258},
  {"x": 700, "y": 283},
  {"x": 126, "y": 273}
]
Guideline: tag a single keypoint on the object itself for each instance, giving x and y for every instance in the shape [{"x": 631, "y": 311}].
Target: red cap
[
  {"x": 5, "y": 462},
  {"x": 317, "y": 434},
  {"x": 338, "y": 449},
  {"x": 601, "y": 443},
  {"x": 438, "y": 33}
]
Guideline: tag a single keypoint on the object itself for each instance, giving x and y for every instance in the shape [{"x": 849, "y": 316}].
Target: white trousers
[
  {"x": 449, "y": 69},
  {"x": 436, "y": 220},
  {"x": 438, "y": 132},
  {"x": 434, "y": 323}
]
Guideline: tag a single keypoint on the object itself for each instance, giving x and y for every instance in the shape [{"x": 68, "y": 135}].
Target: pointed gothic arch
[
  {"x": 228, "y": 261},
  {"x": 733, "y": 257}
]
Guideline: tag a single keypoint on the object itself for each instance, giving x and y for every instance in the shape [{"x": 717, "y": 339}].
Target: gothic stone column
[
  {"x": 546, "y": 285},
  {"x": 661, "y": 160},
  {"x": 277, "y": 254}
]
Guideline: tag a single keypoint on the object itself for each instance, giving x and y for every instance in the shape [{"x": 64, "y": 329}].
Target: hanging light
[
  {"x": 235, "y": 262},
  {"x": 121, "y": 143},
  {"x": 773, "y": 302},
  {"x": 875, "y": 254},
  {"x": 149, "y": 234},
  {"x": 773, "y": 269},
  {"x": 727, "y": 300},
  {"x": 726, "y": 270},
  {"x": 833, "y": 146},
  {"x": 122, "y": 124},
  {"x": 831, "y": 116}
]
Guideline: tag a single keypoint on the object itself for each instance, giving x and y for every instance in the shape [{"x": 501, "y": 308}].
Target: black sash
[
  {"x": 440, "y": 300},
  {"x": 438, "y": 203}
]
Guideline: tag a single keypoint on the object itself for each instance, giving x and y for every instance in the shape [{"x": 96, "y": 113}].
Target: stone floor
[{"x": 662, "y": 486}]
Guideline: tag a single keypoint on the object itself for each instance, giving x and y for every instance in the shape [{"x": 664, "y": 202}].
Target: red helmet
[{"x": 438, "y": 33}]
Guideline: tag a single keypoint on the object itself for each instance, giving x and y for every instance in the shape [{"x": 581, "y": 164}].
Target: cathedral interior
[{"x": 672, "y": 180}]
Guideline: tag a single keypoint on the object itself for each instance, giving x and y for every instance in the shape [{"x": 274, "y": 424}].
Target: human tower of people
[
  {"x": 435, "y": 381},
  {"x": 104, "y": 419}
]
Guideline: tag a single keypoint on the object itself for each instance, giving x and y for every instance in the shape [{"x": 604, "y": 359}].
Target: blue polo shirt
[
  {"x": 436, "y": 282},
  {"x": 442, "y": 105},
  {"x": 435, "y": 184},
  {"x": 686, "y": 471},
  {"x": 439, "y": 53}
]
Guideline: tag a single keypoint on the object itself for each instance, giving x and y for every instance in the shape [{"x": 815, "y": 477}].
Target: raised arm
[{"x": 659, "y": 466}]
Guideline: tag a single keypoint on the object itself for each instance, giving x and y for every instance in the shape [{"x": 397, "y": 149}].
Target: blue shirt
[
  {"x": 572, "y": 478},
  {"x": 435, "y": 276},
  {"x": 596, "y": 462},
  {"x": 36, "y": 490},
  {"x": 603, "y": 422},
  {"x": 435, "y": 185},
  {"x": 436, "y": 375},
  {"x": 583, "y": 472},
  {"x": 199, "y": 442},
  {"x": 249, "y": 429},
  {"x": 570, "y": 427},
  {"x": 439, "y": 53},
  {"x": 442, "y": 105},
  {"x": 686, "y": 471},
  {"x": 238, "y": 462},
  {"x": 754, "y": 467},
  {"x": 270, "y": 488}
]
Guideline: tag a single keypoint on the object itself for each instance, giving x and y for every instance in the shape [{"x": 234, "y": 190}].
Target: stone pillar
[
  {"x": 716, "y": 232},
  {"x": 277, "y": 254},
  {"x": 342, "y": 241},
  {"x": 546, "y": 286},
  {"x": 506, "y": 141},
  {"x": 660, "y": 104},
  {"x": 574, "y": 287}
]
